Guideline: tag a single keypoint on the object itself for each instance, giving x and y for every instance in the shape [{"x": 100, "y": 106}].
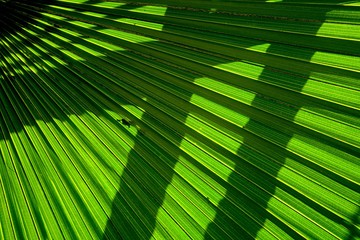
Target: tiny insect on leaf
[{"x": 126, "y": 122}]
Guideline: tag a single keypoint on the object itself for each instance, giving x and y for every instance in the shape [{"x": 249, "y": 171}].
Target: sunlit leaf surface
[{"x": 179, "y": 119}]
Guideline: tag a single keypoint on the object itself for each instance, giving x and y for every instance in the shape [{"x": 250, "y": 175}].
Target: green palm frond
[{"x": 179, "y": 119}]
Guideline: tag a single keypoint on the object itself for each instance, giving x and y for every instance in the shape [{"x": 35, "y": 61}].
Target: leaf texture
[{"x": 179, "y": 119}]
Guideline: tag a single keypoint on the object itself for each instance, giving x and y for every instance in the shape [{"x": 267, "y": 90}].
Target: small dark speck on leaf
[{"x": 125, "y": 122}]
